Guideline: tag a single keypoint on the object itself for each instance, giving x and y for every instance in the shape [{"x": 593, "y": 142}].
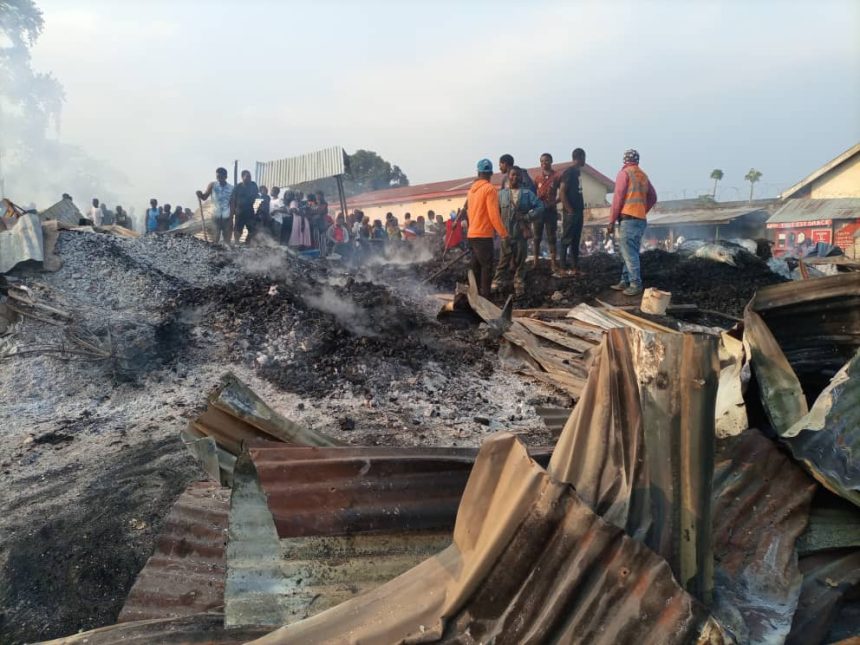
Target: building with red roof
[{"x": 442, "y": 197}]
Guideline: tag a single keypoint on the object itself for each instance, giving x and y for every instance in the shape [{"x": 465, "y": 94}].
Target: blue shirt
[{"x": 151, "y": 219}]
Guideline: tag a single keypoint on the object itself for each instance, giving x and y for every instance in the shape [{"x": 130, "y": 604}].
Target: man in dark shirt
[
  {"x": 244, "y": 196},
  {"x": 263, "y": 218},
  {"x": 547, "y": 181},
  {"x": 573, "y": 206}
]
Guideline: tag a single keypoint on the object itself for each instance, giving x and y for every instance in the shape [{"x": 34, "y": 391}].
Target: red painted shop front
[{"x": 788, "y": 235}]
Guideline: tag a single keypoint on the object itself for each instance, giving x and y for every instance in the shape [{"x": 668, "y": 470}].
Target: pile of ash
[{"x": 311, "y": 335}]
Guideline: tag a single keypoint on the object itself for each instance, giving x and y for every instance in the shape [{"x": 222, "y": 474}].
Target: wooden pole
[
  {"x": 341, "y": 195},
  {"x": 203, "y": 219}
]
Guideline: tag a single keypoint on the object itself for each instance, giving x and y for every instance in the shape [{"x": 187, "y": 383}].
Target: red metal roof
[
  {"x": 186, "y": 573},
  {"x": 451, "y": 188},
  {"x": 348, "y": 490}
]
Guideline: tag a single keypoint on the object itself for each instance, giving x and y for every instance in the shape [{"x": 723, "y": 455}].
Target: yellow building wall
[
  {"x": 441, "y": 206},
  {"x": 593, "y": 192},
  {"x": 842, "y": 182}
]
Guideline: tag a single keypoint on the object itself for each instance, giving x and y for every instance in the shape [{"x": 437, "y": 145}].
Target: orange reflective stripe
[{"x": 637, "y": 193}]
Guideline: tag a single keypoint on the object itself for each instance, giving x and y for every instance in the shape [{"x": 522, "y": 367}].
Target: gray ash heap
[{"x": 310, "y": 333}]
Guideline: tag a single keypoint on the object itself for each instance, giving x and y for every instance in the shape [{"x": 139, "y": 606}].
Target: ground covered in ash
[
  {"x": 706, "y": 283},
  {"x": 90, "y": 455}
]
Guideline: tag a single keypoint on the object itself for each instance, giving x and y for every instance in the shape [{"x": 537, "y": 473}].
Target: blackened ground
[
  {"x": 706, "y": 283},
  {"x": 69, "y": 566}
]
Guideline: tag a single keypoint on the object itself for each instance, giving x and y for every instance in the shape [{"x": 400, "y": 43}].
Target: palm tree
[
  {"x": 752, "y": 177},
  {"x": 716, "y": 175}
]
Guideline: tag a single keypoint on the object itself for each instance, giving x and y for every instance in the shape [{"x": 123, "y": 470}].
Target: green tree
[
  {"x": 752, "y": 177},
  {"x": 716, "y": 175},
  {"x": 34, "y": 165},
  {"x": 366, "y": 171}
]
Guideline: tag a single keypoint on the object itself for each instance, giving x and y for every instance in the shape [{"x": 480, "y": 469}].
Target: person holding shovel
[{"x": 221, "y": 193}]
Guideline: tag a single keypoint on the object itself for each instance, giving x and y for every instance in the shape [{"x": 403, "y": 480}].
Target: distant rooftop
[
  {"x": 451, "y": 188},
  {"x": 830, "y": 165}
]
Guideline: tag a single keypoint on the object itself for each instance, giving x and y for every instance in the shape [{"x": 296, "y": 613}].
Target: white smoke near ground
[
  {"x": 402, "y": 254},
  {"x": 36, "y": 167},
  {"x": 347, "y": 312}
]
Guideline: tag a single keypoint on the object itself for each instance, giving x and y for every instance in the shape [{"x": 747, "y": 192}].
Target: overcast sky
[{"x": 166, "y": 91}]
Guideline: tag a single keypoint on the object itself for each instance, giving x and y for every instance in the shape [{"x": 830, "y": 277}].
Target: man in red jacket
[{"x": 634, "y": 196}]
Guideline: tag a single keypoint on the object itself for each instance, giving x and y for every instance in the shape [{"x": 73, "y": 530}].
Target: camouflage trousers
[{"x": 512, "y": 261}]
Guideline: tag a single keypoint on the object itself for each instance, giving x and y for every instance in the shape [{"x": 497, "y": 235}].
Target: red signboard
[
  {"x": 845, "y": 235},
  {"x": 804, "y": 224}
]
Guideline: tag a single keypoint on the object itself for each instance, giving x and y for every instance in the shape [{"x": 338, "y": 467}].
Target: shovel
[{"x": 203, "y": 219}]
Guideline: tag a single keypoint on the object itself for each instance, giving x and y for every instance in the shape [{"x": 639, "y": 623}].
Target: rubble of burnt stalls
[{"x": 566, "y": 467}]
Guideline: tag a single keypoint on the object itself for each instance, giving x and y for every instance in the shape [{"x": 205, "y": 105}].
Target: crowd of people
[
  {"x": 302, "y": 221},
  {"x": 527, "y": 208},
  {"x": 497, "y": 225}
]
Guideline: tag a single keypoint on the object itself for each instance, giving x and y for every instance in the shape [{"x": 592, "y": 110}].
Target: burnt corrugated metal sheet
[
  {"x": 554, "y": 418},
  {"x": 530, "y": 563},
  {"x": 236, "y": 414},
  {"x": 63, "y": 211},
  {"x": 22, "y": 242},
  {"x": 827, "y": 439},
  {"x": 827, "y": 579},
  {"x": 761, "y": 505},
  {"x": 186, "y": 573},
  {"x": 200, "y": 629},
  {"x": 639, "y": 445},
  {"x": 834, "y": 523},
  {"x": 341, "y": 491},
  {"x": 290, "y": 171},
  {"x": 313, "y": 527},
  {"x": 556, "y": 353},
  {"x": 816, "y": 322}
]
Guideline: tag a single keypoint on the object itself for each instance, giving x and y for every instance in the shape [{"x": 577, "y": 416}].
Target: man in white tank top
[{"x": 221, "y": 193}]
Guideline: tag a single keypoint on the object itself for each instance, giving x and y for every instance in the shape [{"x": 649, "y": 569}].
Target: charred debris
[{"x": 696, "y": 478}]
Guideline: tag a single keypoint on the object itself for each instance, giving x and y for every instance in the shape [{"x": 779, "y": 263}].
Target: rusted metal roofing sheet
[
  {"x": 761, "y": 505},
  {"x": 815, "y": 322},
  {"x": 341, "y": 491},
  {"x": 22, "y": 242},
  {"x": 530, "y": 563},
  {"x": 186, "y": 573},
  {"x": 639, "y": 446},
  {"x": 199, "y": 629},
  {"x": 826, "y": 438},
  {"x": 236, "y": 414},
  {"x": 554, "y": 353},
  {"x": 834, "y": 523},
  {"x": 705, "y": 216},
  {"x": 63, "y": 211},
  {"x": 806, "y": 210},
  {"x": 313, "y": 527},
  {"x": 827, "y": 579},
  {"x": 554, "y": 418},
  {"x": 290, "y": 171}
]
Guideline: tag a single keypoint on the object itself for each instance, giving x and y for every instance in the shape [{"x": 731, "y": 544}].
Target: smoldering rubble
[{"x": 230, "y": 443}]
